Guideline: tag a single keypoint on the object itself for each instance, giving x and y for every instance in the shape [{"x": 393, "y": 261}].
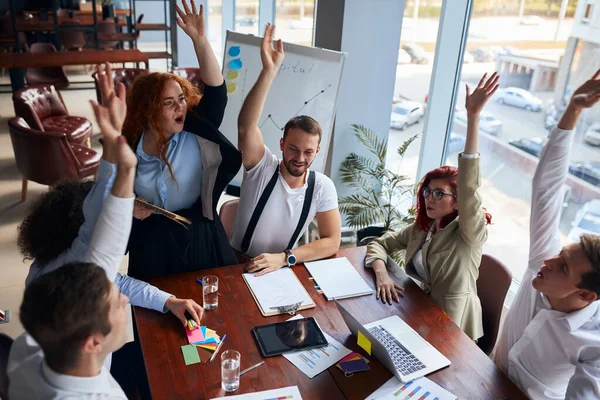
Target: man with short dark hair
[
  {"x": 550, "y": 341},
  {"x": 279, "y": 199}
]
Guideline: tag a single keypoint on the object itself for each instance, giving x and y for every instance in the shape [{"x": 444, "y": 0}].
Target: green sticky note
[
  {"x": 190, "y": 354},
  {"x": 364, "y": 342}
]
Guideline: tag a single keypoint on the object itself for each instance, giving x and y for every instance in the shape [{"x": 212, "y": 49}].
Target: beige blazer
[{"x": 452, "y": 256}]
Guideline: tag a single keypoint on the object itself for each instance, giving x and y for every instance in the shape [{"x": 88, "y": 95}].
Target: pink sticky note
[{"x": 194, "y": 335}]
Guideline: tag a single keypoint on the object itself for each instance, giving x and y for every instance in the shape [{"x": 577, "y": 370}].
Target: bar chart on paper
[
  {"x": 286, "y": 393},
  {"x": 420, "y": 389}
]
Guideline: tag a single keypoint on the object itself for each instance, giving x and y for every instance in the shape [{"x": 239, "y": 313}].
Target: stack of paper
[
  {"x": 288, "y": 393},
  {"x": 338, "y": 279},
  {"x": 203, "y": 342},
  {"x": 421, "y": 388}
]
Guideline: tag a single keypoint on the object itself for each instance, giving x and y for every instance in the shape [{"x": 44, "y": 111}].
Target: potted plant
[
  {"x": 374, "y": 205},
  {"x": 108, "y": 9}
]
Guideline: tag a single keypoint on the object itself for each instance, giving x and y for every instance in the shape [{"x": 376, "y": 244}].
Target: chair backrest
[
  {"x": 46, "y": 75},
  {"x": 227, "y": 215},
  {"x": 42, "y": 157},
  {"x": 192, "y": 75},
  {"x": 72, "y": 39},
  {"x": 5, "y": 344},
  {"x": 35, "y": 103},
  {"x": 126, "y": 76},
  {"x": 139, "y": 21},
  {"x": 493, "y": 284}
]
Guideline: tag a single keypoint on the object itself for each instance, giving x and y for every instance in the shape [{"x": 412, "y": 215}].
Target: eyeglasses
[{"x": 437, "y": 194}]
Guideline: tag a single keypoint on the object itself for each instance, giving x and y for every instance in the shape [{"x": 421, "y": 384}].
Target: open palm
[
  {"x": 485, "y": 89},
  {"x": 271, "y": 58},
  {"x": 588, "y": 94},
  {"x": 112, "y": 97},
  {"x": 191, "y": 21}
]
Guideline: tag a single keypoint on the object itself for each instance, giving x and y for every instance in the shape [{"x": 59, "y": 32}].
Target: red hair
[
  {"x": 144, "y": 108},
  {"x": 450, "y": 174}
]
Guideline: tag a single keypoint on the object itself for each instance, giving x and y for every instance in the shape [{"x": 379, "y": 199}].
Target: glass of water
[
  {"x": 210, "y": 292},
  {"x": 230, "y": 370}
]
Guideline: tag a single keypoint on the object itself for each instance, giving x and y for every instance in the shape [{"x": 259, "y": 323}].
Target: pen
[
  {"x": 217, "y": 349},
  {"x": 251, "y": 368}
]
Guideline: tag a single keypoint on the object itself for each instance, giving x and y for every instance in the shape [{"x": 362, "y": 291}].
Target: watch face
[{"x": 291, "y": 259}]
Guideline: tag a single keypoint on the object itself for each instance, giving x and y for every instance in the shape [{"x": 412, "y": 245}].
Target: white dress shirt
[
  {"x": 30, "y": 378},
  {"x": 548, "y": 353}
]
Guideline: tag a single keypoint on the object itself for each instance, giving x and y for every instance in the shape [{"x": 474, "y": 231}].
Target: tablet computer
[{"x": 288, "y": 336}]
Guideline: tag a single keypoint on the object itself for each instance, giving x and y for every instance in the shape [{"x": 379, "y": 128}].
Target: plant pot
[
  {"x": 108, "y": 11},
  {"x": 365, "y": 235}
]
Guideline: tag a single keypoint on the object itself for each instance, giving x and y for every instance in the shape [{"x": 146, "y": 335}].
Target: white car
[
  {"x": 406, "y": 113},
  {"x": 531, "y": 20},
  {"x": 404, "y": 57},
  {"x": 587, "y": 220},
  {"x": 487, "y": 122},
  {"x": 518, "y": 97},
  {"x": 592, "y": 135}
]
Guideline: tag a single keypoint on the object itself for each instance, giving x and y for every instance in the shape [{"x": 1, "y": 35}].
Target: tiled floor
[{"x": 13, "y": 269}]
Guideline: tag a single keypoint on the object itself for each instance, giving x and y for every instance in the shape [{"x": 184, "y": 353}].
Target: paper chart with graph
[
  {"x": 277, "y": 289},
  {"x": 419, "y": 389},
  {"x": 314, "y": 361}
]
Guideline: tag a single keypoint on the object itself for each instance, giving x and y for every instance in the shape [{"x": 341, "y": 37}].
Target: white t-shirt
[{"x": 281, "y": 214}]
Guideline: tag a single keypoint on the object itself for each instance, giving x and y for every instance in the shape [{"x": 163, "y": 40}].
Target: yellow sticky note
[{"x": 364, "y": 342}]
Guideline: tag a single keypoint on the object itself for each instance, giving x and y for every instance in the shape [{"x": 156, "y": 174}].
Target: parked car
[
  {"x": 245, "y": 21},
  {"x": 483, "y": 54},
  {"x": 406, "y": 113},
  {"x": 468, "y": 58},
  {"x": 416, "y": 53},
  {"x": 304, "y": 23},
  {"x": 531, "y": 20},
  {"x": 518, "y": 97},
  {"x": 487, "y": 122},
  {"x": 404, "y": 57},
  {"x": 456, "y": 143},
  {"x": 592, "y": 135},
  {"x": 588, "y": 171},
  {"x": 587, "y": 220},
  {"x": 531, "y": 146}
]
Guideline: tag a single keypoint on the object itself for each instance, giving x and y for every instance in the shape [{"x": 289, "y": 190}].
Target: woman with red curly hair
[
  {"x": 443, "y": 246},
  {"x": 184, "y": 163}
]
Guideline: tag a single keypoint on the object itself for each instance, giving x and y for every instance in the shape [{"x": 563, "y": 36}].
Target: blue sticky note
[
  {"x": 234, "y": 51},
  {"x": 203, "y": 330},
  {"x": 235, "y": 64}
]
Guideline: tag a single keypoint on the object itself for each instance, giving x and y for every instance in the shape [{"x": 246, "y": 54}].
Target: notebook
[
  {"x": 277, "y": 289},
  {"x": 338, "y": 279}
]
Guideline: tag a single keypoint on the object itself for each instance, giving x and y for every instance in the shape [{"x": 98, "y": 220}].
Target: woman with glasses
[{"x": 443, "y": 246}]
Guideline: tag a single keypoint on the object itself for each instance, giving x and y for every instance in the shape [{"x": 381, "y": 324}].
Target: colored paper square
[
  {"x": 208, "y": 341},
  {"x": 190, "y": 354},
  {"x": 204, "y": 329},
  {"x": 209, "y": 347},
  {"x": 194, "y": 335},
  {"x": 363, "y": 342},
  {"x": 204, "y": 354}
]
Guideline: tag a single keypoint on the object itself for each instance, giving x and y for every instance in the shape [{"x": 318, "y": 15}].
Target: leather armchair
[
  {"x": 124, "y": 75},
  {"x": 43, "y": 109},
  {"x": 192, "y": 75},
  {"x": 47, "y": 157}
]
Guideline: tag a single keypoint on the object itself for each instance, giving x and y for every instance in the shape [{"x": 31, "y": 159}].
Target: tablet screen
[{"x": 289, "y": 336}]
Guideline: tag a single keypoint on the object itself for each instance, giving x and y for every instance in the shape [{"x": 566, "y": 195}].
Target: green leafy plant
[{"x": 377, "y": 191}]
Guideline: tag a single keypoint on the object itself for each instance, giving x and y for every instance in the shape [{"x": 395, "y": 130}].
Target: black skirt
[{"x": 159, "y": 246}]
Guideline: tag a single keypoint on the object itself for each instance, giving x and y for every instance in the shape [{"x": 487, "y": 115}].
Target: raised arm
[
  {"x": 250, "y": 140},
  {"x": 192, "y": 23},
  {"x": 550, "y": 176},
  {"x": 472, "y": 216}
]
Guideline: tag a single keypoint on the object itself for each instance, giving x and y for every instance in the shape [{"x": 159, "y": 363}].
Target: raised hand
[
  {"x": 485, "y": 89},
  {"x": 271, "y": 58},
  {"x": 191, "y": 21},
  {"x": 115, "y": 100},
  {"x": 587, "y": 94}
]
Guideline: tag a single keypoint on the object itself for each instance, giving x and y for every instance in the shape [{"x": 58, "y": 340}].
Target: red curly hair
[
  {"x": 144, "y": 108},
  {"x": 450, "y": 174}
]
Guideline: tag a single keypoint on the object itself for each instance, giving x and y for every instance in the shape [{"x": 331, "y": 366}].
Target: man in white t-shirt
[{"x": 273, "y": 236}]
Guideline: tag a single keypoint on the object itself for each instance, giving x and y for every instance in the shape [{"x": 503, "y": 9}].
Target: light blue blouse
[{"x": 153, "y": 181}]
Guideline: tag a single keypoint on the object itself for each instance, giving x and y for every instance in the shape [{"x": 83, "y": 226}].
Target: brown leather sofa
[
  {"x": 43, "y": 109},
  {"x": 126, "y": 76},
  {"x": 48, "y": 157}
]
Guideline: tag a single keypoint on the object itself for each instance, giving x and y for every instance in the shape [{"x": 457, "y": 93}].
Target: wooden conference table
[
  {"x": 472, "y": 374},
  {"x": 17, "y": 61}
]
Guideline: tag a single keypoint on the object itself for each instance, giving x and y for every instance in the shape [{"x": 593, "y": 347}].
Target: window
[
  {"x": 215, "y": 27},
  {"x": 294, "y": 20},
  {"x": 246, "y": 17},
  {"x": 508, "y": 153}
]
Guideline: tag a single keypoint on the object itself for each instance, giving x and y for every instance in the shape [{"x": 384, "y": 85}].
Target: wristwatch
[{"x": 290, "y": 258}]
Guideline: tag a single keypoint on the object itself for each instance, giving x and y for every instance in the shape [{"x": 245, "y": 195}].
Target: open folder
[
  {"x": 338, "y": 279},
  {"x": 278, "y": 291}
]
